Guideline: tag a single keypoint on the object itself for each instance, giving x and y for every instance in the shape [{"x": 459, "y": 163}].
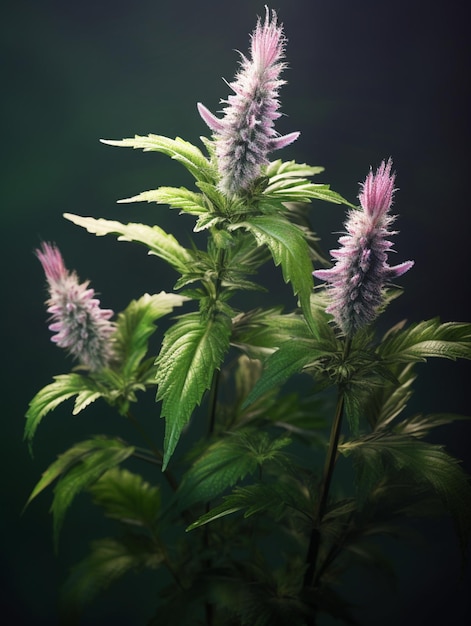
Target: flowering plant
[{"x": 249, "y": 524}]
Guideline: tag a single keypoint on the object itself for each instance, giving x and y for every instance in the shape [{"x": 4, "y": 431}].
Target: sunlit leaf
[
  {"x": 64, "y": 387},
  {"x": 182, "y": 151},
  {"x": 154, "y": 238},
  {"x": 135, "y": 325},
  {"x": 193, "y": 349},
  {"x": 289, "y": 249}
]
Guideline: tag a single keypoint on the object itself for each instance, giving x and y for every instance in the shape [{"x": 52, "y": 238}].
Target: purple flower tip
[
  {"x": 361, "y": 271},
  {"x": 245, "y": 135},
  {"x": 80, "y": 325}
]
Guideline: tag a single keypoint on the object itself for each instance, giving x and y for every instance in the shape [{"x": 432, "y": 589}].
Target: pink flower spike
[
  {"x": 356, "y": 282},
  {"x": 81, "y": 327},
  {"x": 377, "y": 191},
  {"x": 52, "y": 262},
  {"x": 246, "y": 134}
]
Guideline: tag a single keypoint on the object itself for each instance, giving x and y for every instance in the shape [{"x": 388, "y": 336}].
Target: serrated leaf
[
  {"x": 192, "y": 350},
  {"x": 154, "y": 238},
  {"x": 227, "y": 461},
  {"x": 420, "y": 425},
  {"x": 388, "y": 401},
  {"x": 253, "y": 499},
  {"x": 77, "y": 468},
  {"x": 377, "y": 455},
  {"x": 48, "y": 398},
  {"x": 182, "y": 151},
  {"x": 176, "y": 197},
  {"x": 288, "y": 169},
  {"x": 429, "y": 338},
  {"x": 289, "y": 249},
  {"x": 136, "y": 324},
  {"x": 290, "y": 358},
  {"x": 126, "y": 497},
  {"x": 89, "y": 469},
  {"x": 109, "y": 559}
]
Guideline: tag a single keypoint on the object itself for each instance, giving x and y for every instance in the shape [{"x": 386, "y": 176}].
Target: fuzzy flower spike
[
  {"x": 361, "y": 270},
  {"x": 80, "y": 325},
  {"x": 246, "y": 134}
]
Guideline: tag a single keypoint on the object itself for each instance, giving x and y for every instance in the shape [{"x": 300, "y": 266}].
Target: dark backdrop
[{"x": 367, "y": 80}]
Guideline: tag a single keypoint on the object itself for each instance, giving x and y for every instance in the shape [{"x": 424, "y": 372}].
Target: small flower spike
[
  {"x": 361, "y": 270},
  {"x": 80, "y": 325},
  {"x": 246, "y": 134}
]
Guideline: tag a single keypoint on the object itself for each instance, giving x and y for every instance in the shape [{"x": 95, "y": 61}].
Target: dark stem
[
  {"x": 314, "y": 541},
  {"x": 157, "y": 453},
  {"x": 209, "y": 608}
]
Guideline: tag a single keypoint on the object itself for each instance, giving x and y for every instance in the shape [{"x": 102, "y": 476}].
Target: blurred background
[{"x": 366, "y": 80}]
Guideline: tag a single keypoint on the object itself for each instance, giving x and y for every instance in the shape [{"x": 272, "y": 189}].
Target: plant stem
[
  {"x": 157, "y": 453},
  {"x": 314, "y": 542}
]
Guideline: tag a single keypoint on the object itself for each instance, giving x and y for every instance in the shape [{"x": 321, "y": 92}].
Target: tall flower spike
[
  {"x": 246, "y": 134},
  {"x": 361, "y": 271},
  {"x": 80, "y": 325}
]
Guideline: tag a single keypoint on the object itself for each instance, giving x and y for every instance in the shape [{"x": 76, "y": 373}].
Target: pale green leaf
[
  {"x": 191, "y": 352},
  {"x": 176, "y": 197},
  {"x": 288, "y": 169},
  {"x": 135, "y": 325},
  {"x": 64, "y": 387},
  {"x": 182, "y": 151},
  {"x": 154, "y": 238}
]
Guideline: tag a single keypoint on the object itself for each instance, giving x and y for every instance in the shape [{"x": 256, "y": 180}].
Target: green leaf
[
  {"x": 78, "y": 468},
  {"x": 227, "y": 461},
  {"x": 429, "y": 338},
  {"x": 258, "y": 498},
  {"x": 126, "y": 497},
  {"x": 154, "y": 238},
  {"x": 420, "y": 425},
  {"x": 388, "y": 401},
  {"x": 64, "y": 387},
  {"x": 191, "y": 351},
  {"x": 109, "y": 560},
  {"x": 287, "y": 183},
  {"x": 289, "y": 249},
  {"x": 380, "y": 455},
  {"x": 290, "y": 358},
  {"x": 177, "y": 198},
  {"x": 135, "y": 325},
  {"x": 182, "y": 151},
  {"x": 288, "y": 169}
]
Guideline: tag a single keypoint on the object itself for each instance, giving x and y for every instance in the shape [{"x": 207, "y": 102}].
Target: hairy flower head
[
  {"x": 361, "y": 270},
  {"x": 246, "y": 134},
  {"x": 80, "y": 325}
]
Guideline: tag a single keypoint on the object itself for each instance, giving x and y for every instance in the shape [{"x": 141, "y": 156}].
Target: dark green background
[{"x": 367, "y": 80}]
